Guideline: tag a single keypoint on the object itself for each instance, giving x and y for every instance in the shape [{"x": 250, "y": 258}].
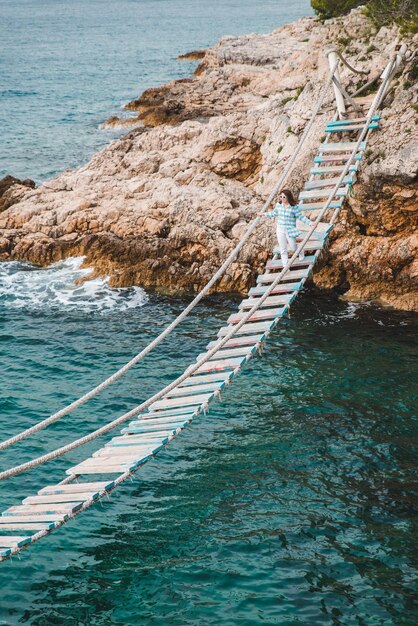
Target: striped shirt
[{"x": 286, "y": 218}]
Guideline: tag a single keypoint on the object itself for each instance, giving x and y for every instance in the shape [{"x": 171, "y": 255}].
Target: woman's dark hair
[{"x": 289, "y": 195}]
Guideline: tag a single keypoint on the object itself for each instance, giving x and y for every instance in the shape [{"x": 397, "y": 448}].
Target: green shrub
[
  {"x": 333, "y": 8},
  {"x": 381, "y": 12}
]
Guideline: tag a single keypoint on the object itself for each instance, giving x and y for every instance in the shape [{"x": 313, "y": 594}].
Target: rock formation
[{"x": 163, "y": 205}]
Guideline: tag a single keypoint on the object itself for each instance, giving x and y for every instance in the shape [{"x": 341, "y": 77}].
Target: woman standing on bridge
[{"x": 286, "y": 211}]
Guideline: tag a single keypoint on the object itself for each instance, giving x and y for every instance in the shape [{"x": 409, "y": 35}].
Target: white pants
[{"x": 283, "y": 238}]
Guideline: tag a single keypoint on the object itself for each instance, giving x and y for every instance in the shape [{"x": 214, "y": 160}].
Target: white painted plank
[
  {"x": 180, "y": 402},
  {"x": 62, "y": 497},
  {"x": 10, "y": 541},
  {"x": 271, "y": 301},
  {"x": 289, "y": 275},
  {"x": 248, "y": 329},
  {"x": 40, "y": 509},
  {"x": 208, "y": 378},
  {"x": 261, "y": 314},
  {"x": 213, "y": 366},
  {"x": 25, "y": 526},
  {"x": 237, "y": 341},
  {"x": 75, "y": 487}
]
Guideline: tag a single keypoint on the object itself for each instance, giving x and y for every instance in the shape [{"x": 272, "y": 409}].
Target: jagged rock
[
  {"x": 164, "y": 205},
  {"x": 12, "y": 190}
]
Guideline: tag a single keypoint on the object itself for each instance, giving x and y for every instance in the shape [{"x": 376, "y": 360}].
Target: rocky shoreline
[{"x": 162, "y": 206}]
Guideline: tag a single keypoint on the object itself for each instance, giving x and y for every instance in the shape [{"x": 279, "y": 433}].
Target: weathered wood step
[
  {"x": 162, "y": 422},
  {"x": 271, "y": 301},
  {"x": 280, "y": 288},
  {"x": 213, "y": 366},
  {"x": 261, "y": 314},
  {"x": 75, "y": 487},
  {"x": 208, "y": 378},
  {"x": 278, "y": 263},
  {"x": 248, "y": 328},
  {"x": 133, "y": 440},
  {"x": 324, "y": 193},
  {"x": 62, "y": 497},
  {"x": 337, "y": 158},
  {"x": 96, "y": 466},
  {"x": 25, "y": 517},
  {"x": 313, "y": 244},
  {"x": 356, "y": 120},
  {"x": 179, "y": 402},
  {"x": 135, "y": 428},
  {"x": 341, "y": 146},
  {"x": 344, "y": 128},
  {"x": 31, "y": 526},
  {"x": 230, "y": 352},
  {"x": 332, "y": 169},
  {"x": 167, "y": 429},
  {"x": 326, "y": 182},
  {"x": 187, "y": 413},
  {"x": 263, "y": 279},
  {"x": 10, "y": 541},
  {"x": 187, "y": 391},
  {"x": 4, "y": 552},
  {"x": 237, "y": 341},
  {"x": 40, "y": 509}
]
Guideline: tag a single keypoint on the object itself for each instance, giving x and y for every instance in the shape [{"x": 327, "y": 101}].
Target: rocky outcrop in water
[{"x": 162, "y": 206}]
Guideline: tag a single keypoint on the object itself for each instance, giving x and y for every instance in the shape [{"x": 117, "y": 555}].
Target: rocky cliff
[{"x": 162, "y": 206}]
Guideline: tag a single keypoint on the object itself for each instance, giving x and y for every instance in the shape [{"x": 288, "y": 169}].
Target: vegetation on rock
[{"x": 381, "y": 12}]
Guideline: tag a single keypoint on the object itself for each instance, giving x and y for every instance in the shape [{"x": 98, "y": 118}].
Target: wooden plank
[
  {"x": 349, "y": 128},
  {"x": 133, "y": 451},
  {"x": 323, "y": 193},
  {"x": 228, "y": 353},
  {"x": 275, "y": 264},
  {"x": 237, "y": 341},
  {"x": 198, "y": 380},
  {"x": 332, "y": 169},
  {"x": 311, "y": 244},
  {"x": 325, "y": 182},
  {"x": 178, "y": 402},
  {"x": 261, "y": 314},
  {"x": 163, "y": 422},
  {"x": 4, "y": 552},
  {"x": 248, "y": 328},
  {"x": 96, "y": 466},
  {"x": 341, "y": 146},
  {"x": 357, "y": 120},
  {"x": 337, "y": 157},
  {"x": 62, "y": 497},
  {"x": 135, "y": 428},
  {"x": 25, "y": 526},
  {"x": 75, "y": 487},
  {"x": 48, "y": 518},
  {"x": 263, "y": 279},
  {"x": 10, "y": 541},
  {"x": 128, "y": 440},
  {"x": 40, "y": 509},
  {"x": 213, "y": 366},
  {"x": 280, "y": 288},
  {"x": 270, "y": 301},
  {"x": 186, "y": 413},
  {"x": 186, "y": 391}
]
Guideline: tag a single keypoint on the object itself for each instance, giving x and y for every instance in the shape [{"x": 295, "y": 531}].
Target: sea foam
[{"x": 56, "y": 288}]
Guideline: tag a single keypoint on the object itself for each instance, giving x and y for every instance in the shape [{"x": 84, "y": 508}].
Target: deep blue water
[{"x": 293, "y": 501}]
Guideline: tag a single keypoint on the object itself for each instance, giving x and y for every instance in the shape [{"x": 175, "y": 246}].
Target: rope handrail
[
  {"x": 178, "y": 320},
  {"x": 234, "y": 329}
]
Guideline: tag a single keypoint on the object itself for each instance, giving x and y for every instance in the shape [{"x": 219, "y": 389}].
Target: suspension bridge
[{"x": 156, "y": 422}]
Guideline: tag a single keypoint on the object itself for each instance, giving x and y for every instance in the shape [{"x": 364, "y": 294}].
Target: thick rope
[
  {"x": 234, "y": 329},
  {"x": 178, "y": 320}
]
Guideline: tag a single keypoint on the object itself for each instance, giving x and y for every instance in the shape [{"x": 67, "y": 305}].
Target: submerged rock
[{"x": 162, "y": 206}]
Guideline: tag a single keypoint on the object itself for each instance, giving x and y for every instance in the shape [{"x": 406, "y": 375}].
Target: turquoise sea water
[{"x": 293, "y": 501}]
